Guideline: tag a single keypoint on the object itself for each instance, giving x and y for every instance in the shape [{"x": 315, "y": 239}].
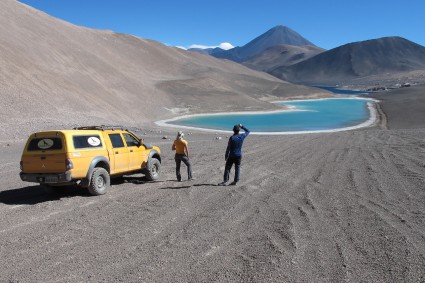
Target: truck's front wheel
[
  {"x": 99, "y": 182},
  {"x": 153, "y": 170}
]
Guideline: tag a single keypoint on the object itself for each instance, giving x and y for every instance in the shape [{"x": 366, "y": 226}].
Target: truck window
[
  {"x": 86, "y": 141},
  {"x": 44, "y": 144},
  {"x": 130, "y": 140},
  {"x": 116, "y": 140}
]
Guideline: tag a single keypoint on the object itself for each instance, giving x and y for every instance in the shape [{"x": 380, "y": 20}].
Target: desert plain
[{"x": 326, "y": 207}]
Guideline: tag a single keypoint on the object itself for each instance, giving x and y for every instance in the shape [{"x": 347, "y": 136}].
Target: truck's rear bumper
[{"x": 47, "y": 178}]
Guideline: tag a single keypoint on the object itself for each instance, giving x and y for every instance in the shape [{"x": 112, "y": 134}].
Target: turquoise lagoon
[{"x": 334, "y": 114}]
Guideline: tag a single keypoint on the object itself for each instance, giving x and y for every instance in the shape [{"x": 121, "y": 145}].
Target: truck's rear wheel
[
  {"x": 153, "y": 170},
  {"x": 100, "y": 182}
]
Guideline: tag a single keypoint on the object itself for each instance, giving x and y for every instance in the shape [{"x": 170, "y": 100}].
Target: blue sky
[{"x": 326, "y": 23}]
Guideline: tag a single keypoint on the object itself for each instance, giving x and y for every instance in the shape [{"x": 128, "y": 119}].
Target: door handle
[
  {"x": 116, "y": 152},
  {"x": 131, "y": 150}
]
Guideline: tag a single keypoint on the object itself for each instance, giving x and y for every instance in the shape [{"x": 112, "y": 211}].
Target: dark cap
[{"x": 236, "y": 128}]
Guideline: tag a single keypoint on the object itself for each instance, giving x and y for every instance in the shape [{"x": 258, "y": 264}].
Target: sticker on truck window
[
  {"x": 45, "y": 143},
  {"x": 93, "y": 141}
]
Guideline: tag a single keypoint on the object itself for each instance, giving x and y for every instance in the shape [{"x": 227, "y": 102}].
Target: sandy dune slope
[{"x": 55, "y": 73}]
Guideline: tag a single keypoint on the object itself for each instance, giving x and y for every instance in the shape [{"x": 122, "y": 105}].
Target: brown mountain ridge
[
  {"x": 377, "y": 59},
  {"x": 282, "y": 55}
]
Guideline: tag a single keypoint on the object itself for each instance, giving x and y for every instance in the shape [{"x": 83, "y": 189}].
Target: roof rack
[{"x": 101, "y": 127}]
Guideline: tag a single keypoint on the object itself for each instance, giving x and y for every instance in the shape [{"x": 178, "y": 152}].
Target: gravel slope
[
  {"x": 404, "y": 107},
  {"x": 321, "y": 207}
]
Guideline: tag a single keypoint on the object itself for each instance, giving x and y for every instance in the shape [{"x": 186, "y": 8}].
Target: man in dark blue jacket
[{"x": 234, "y": 154}]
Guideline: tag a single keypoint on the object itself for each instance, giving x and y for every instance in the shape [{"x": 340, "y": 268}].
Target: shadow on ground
[
  {"x": 175, "y": 188},
  {"x": 31, "y": 195},
  {"x": 186, "y": 186},
  {"x": 132, "y": 180},
  {"x": 38, "y": 194},
  {"x": 198, "y": 185}
]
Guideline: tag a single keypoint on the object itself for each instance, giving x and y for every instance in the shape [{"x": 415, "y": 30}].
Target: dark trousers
[
  {"x": 229, "y": 163},
  {"x": 179, "y": 158}
]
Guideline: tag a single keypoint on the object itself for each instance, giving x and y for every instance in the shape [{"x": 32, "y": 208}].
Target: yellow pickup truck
[{"x": 88, "y": 157}]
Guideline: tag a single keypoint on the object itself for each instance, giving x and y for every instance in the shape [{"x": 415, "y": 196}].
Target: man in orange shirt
[{"x": 182, "y": 154}]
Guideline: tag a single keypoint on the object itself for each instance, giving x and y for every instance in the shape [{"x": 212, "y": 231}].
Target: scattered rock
[
  {"x": 164, "y": 137},
  {"x": 377, "y": 88}
]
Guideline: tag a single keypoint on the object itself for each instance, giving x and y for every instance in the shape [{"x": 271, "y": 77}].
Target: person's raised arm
[{"x": 245, "y": 129}]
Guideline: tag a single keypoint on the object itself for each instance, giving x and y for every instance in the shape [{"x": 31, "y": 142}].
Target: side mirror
[{"x": 141, "y": 142}]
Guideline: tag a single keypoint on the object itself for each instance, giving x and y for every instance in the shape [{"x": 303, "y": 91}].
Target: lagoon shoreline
[{"x": 372, "y": 120}]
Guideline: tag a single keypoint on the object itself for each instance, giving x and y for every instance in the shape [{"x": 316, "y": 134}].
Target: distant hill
[
  {"x": 357, "y": 60},
  {"x": 54, "y": 73},
  {"x": 206, "y": 50},
  {"x": 281, "y": 55},
  {"x": 276, "y": 36}
]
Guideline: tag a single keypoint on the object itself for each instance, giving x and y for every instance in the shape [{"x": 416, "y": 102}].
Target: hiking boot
[
  {"x": 233, "y": 183},
  {"x": 222, "y": 184}
]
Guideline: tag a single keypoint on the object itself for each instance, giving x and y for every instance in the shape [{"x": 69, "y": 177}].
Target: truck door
[
  {"x": 137, "y": 153},
  {"x": 120, "y": 153}
]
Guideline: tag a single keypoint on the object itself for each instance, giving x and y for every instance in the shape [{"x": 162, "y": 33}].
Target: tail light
[
  {"x": 68, "y": 164},
  {"x": 21, "y": 165}
]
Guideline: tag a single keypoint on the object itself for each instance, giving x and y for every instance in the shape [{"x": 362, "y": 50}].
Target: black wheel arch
[
  {"x": 154, "y": 154},
  {"x": 99, "y": 161}
]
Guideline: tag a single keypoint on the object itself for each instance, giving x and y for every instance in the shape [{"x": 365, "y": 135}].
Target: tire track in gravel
[
  {"x": 310, "y": 209},
  {"x": 326, "y": 208},
  {"x": 380, "y": 170}
]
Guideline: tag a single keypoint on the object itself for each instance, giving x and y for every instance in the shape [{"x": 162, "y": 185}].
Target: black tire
[
  {"x": 153, "y": 170},
  {"x": 100, "y": 182}
]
